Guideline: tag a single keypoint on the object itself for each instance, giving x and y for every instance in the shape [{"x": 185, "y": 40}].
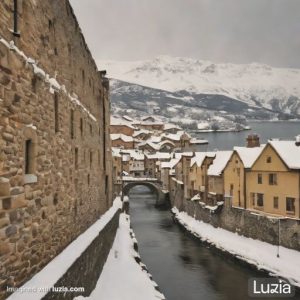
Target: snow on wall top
[{"x": 54, "y": 86}]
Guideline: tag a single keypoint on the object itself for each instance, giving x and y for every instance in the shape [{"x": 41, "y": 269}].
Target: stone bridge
[{"x": 153, "y": 184}]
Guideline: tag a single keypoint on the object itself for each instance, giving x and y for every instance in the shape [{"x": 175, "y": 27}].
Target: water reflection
[{"x": 184, "y": 268}]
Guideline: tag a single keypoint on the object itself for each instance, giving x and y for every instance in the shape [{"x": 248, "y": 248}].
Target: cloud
[{"x": 238, "y": 31}]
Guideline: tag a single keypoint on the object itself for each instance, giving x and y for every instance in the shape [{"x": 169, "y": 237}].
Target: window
[
  {"x": 91, "y": 129},
  {"x": 259, "y": 178},
  {"x": 29, "y": 157},
  {"x": 238, "y": 170},
  {"x": 56, "y": 116},
  {"x": 252, "y": 197},
  {"x": 88, "y": 179},
  {"x": 50, "y": 24},
  {"x": 91, "y": 158},
  {"x": 76, "y": 158},
  {"x": 272, "y": 179},
  {"x": 106, "y": 184},
  {"x": 260, "y": 199},
  {"x": 290, "y": 204},
  {"x": 16, "y": 12},
  {"x": 275, "y": 202},
  {"x": 81, "y": 127},
  {"x": 231, "y": 190},
  {"x": 269, "y": 159},
  {"x": 83, "y": 75},
  {"x": 72, "y": 124}
]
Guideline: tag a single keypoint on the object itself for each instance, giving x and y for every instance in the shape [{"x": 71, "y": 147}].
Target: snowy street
[{"x": 122, "y": 277}]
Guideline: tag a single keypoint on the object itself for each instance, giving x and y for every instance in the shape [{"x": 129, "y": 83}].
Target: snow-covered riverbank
[
  {"x": 262, "y": 255},
  {"x": 122, "y": 277}
]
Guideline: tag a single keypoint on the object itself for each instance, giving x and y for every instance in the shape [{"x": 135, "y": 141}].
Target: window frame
[
  {"x": 259, "y": 178},
  {"x": 260, "y": 199}
]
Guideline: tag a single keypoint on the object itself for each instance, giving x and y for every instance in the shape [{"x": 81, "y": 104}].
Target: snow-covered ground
[
  {"x": 41, "y": 283},
  {"x": 122, "y": 277},
  {"x": 262, "y": 255}
]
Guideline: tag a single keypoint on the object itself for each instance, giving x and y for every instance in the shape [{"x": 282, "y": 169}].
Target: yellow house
[
  {"x": 215, "y": 174},
  {"x": 273, "y": 183},
  {"x": 240, "y": 161},
  {"x": 198, "y": 173}
]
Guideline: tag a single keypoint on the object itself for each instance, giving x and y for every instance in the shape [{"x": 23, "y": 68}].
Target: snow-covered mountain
[{"x": 257, "y": 85}]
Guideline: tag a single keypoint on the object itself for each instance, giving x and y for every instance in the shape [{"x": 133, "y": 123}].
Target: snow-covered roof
[
  {"x": 219, "y": 163},
  {"x": 169, "y": 126},
  {"x": 154, "y": 139},
  {"x": 180, "y": 154},
  {"x": 166, "y": 143},
  {"x": 123, "y": 137},
  {"x": 141, "y": 131},
  {"x": 114, "y": 121},
  {"x": 200, "y": 156},
  {"x": 127, "y": 118},
  {"x": 146, "y": 118},
  {"x": 198, "y": 141},
  {"x": 173, "y": 136},
  {"x": 249, "y": 155},
  {"x": 134, "y": 154},
  {"x": 288, "y": 151},
  {"x": 159, "y": 155},
  {"x": 170, "y": 164},
  {"x": 152, "y": 145},
  {"x": 115, "y": 151}
]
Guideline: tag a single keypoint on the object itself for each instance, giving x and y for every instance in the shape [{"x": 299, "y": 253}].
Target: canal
[{"x": 182, "y": 266}]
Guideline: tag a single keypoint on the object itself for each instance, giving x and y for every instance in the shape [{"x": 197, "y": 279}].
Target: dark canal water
[
  {"x": 183, "y": 267},
  {"x": 266, "y": 130}
]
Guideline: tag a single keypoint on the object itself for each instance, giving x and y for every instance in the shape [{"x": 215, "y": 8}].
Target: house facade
[{"x": 273, "y": 183}]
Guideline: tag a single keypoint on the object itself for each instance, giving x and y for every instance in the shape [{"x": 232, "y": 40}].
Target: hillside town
[{"x": 262, "y": 178}]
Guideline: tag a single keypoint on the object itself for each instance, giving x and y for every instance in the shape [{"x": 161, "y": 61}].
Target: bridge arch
[{"x": 128, "y": 186}]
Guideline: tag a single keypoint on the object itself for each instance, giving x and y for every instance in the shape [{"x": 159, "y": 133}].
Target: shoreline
[{"x": 235, "y": 257}]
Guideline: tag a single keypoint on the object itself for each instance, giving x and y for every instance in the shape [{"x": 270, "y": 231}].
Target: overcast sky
[{"x": 238, "y": 31}]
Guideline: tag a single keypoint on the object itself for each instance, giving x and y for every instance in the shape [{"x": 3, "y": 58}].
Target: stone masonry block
[
  {"x": 4, "y": 187},
  {"x": 18, "y": 201}
]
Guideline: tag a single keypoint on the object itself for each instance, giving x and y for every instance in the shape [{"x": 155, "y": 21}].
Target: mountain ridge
[{"x": 257, "y": 85}]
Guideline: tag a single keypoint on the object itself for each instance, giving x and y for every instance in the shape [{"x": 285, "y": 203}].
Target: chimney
[
  {"x": 297, "y": 141},
  {"x": 253, "y": 141}
]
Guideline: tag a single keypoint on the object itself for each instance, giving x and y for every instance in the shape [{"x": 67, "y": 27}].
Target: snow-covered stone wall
[
  {"x": 55, "y": 164},
  {"x": 247, "y": 223}
]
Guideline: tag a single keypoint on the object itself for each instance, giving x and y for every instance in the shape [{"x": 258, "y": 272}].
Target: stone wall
[
  {"x": 89, "y": 265},
  {"x": 247, "y": 223},
  {"x": 55, "y": 159}
]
